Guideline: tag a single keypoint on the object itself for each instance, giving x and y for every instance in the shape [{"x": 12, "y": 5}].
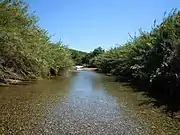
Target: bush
[
  {"x": 25, "y": 48},
  {"x": 152, "y": 57}
]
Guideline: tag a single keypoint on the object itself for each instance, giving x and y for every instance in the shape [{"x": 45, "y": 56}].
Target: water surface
[{"x": 79, "y": 104}]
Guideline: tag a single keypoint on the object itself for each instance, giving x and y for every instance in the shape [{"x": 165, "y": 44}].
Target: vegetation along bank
[
  {"x": 26, "y": 51},
  {"x": 151, "y": 59}
]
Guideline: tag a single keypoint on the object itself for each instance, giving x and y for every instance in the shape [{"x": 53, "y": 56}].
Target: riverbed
[{"x": 81, "y": 103}]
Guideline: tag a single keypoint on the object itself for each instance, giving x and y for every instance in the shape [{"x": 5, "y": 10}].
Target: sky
[{"x": 87, "y": 24}]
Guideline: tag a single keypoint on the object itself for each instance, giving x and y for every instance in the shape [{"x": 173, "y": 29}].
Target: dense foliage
[
  {"x": 88, "y": 59},
  {"x": 25, "y": 48},
  {"x": 78, "y": 56},
  {"x": 84, "y": 58},
  {"x": 152, "y": 58}
]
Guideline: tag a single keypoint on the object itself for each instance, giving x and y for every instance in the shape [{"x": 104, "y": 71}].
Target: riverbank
[
  {"x": 89, "y": 69},
  {"x": 26, "y": 52},
  {"x": 150, "y": 61},
  {"x": 85, "y": 69},
  {"x": 8, "y": 77}
]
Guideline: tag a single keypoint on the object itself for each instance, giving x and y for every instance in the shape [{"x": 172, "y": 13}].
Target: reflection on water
[
  {"x": 88, "y": 109},
  {"x": 82, "y": 103}
]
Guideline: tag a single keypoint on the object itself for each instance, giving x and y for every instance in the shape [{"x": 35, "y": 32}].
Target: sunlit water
[{"x": 79, "y": 104}]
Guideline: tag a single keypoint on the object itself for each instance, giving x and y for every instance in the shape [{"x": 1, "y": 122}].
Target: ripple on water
[
  {"x": 76, "y": 105},
  {"x": 96, "y": 115}
]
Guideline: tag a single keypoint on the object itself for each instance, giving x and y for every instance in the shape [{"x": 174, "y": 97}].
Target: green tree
[
  {"x": 152, "y": 58},
  {"x": 25, "y": 48}
]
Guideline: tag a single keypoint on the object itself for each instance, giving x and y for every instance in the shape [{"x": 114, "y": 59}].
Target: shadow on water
[
  {"x": 142, "y": 106},
  {"x": 158, "y": 98}
]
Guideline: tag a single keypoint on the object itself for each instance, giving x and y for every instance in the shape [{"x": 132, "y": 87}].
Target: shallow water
[{"x": 81, "y": 103}]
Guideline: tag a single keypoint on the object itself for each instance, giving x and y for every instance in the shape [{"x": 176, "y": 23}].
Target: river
[{"x": 82, "y": 103}]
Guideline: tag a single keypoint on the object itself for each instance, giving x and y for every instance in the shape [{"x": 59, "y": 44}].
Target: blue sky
[{"x": 87, "y": 24}]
